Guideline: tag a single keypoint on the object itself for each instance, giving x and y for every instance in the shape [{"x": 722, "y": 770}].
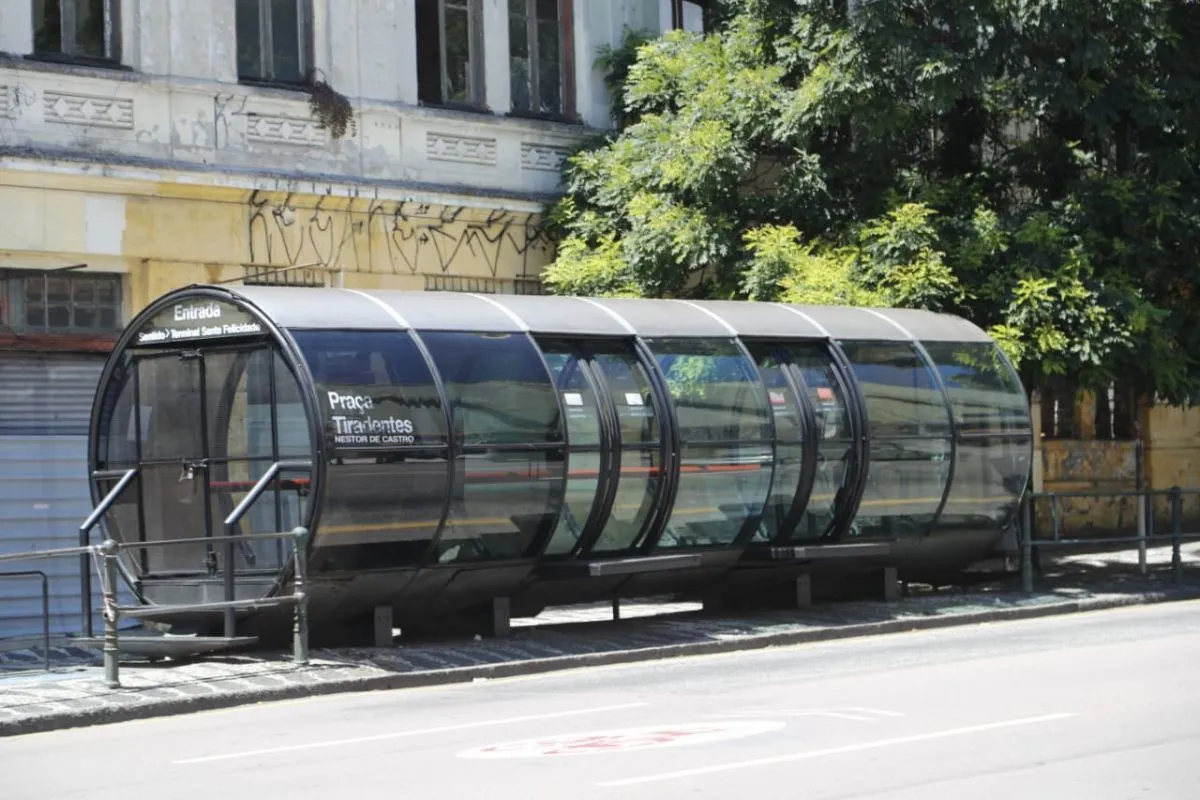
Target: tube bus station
[{"x": 468, "y": 457}]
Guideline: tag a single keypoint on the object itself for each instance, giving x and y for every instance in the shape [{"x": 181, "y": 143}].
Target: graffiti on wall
[{"x": 367, "y": 235}]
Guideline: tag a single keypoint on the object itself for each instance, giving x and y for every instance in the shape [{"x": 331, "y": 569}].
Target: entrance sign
[
  {"x": 198, "y": 319},
  {"x": 625, "y": 741}
]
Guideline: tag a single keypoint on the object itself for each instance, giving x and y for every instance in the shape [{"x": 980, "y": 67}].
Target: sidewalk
[{"x": 73, "y": 694}]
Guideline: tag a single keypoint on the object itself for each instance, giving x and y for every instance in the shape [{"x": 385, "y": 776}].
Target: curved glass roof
[{"x": 295, "y": 307}]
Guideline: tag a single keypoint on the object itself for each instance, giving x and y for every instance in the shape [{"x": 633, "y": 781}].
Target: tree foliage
[{"x": 1029, "y": 164}]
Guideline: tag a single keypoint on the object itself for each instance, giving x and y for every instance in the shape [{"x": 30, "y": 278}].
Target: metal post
[
  {"x": 112, "y": 613},
  {"x": 1027, "y": 544},
  {"x": 1142, "y": 500},
  {"x": 85, "y": 587},
  {"x": 300, "y": 617},
  {"x": 1176, "y": 531},
  {"x": 230, "y": 613}
]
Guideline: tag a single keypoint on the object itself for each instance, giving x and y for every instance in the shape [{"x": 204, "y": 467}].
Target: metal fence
[{"x": 1145, "y": 535}]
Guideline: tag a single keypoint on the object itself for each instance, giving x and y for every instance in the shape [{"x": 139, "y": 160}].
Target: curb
[{"x": 174, "y": 706}]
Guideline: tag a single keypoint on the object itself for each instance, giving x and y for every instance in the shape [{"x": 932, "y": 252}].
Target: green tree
[{"x": 1029, "y": 164}]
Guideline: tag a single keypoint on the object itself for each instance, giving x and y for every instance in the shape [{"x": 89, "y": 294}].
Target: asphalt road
[{"x": 1096, "y": 706}]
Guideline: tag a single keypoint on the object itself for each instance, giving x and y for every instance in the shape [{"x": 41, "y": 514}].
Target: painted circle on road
[{"x": 624, "y": 740}]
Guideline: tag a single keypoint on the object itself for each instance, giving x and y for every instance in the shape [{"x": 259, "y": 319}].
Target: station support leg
[
  {"x": 616, "y": 607},
  {"x": 804, "y": 592},
  {"x": 891, "y": 585},
  {"x": 501, "y": 617},
  {"x": 383, "y": 626}
]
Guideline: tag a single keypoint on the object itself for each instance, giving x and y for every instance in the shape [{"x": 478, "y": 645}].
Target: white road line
[
  {"x": 832, "y": 751},
  {"x": 403, "y": 734}
]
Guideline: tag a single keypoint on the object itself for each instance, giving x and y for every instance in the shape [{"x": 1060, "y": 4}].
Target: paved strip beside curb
[{"x": 46, "y": 703}]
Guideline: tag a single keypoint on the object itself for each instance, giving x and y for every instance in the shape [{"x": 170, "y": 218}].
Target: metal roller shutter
[{"x": 45, "y": 403}]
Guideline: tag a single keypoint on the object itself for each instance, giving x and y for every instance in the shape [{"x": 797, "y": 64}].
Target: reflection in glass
[
  {"x": 989, "y": 477},
  {"x": 499, "y": 390},
  {"x": 116, "y": 445},
  {"x": 630, "y": 389},
  {"x": 985, "y": 392},
  {"x": 584, "y": 436},
  {"x": 386, "y": 430},
  {"x": 502, "y": 502},
  {"x": 905, "y": 482},
  {"x": 715, "y": 389},
  {"x": 638, "y": 486},
  {"x": 789, "y": 451},
  {"x": 170, "y": 397},
  {"x": 901, "y": 395},
  {"x": 833, "y": 460},
  {"x": 719, "y": 489}
]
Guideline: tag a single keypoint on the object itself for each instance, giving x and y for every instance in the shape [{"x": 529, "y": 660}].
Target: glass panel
[
  {"x": 35, "y": 289},
  {"x": 170, "y": 398},
  {"x": 58, "y": 290},
  {"x": 719, "y": 489},
  {"x": 789, "y": 453},
  {"x": 174, "y": 509},
  {"x": 905, "y": 482},
  {"x": 985, "y": 393},
  {"x": 238, "y": 403},
  {"x": 716, "y": 389},
  {"x": 280, "y": 507},
  {"x": 833, "y": 459},
  {"x": 108, "y": 318},
  {"x": 429, "y": 52},
  {"x": 287, "y": 61},
  {"x": 898, "y": 388},
  {"x": 387, "y": 433},
  {"x": 518, "y": 56},
  {"x": 499, "y": 389},
  {"x": 989, "y": 476},
  {"x": 83, "y": 290},
  {"x": 47, "y": 26},
  {"x": 106, "y": 291},
  {"x": 458, "y": 52},
  {"x": 630, "y": 389},
  {"x": 58, "y": 316},
  {"x": 584, "y": 430},
  {"x": 85, "y": 318},
  {"x": 583, "y": 412},
  {"x": 374, "y": 389},
  {"x": 501, "y": 502},
  {"x": 35, "y": 316},
  {"x": 117, "y": 431},
  {"x": 295, "y": 437},
  {"x": 637, "y": 492},
  {"x": 826, "y": 392},
  {"x": 549, "y": 64},
  {"x": 249, "y": 40},
  {"x": 89, "y": 27}
]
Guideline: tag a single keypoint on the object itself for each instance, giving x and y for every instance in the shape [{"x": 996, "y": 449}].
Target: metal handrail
[
  {"x": 1142, "y": 538},
  {"x": 30, "y": 555},
  {"x": 37, "y": 573},
  {"x": 85, "y": 533},
  {"x": 235, "y": 516}
]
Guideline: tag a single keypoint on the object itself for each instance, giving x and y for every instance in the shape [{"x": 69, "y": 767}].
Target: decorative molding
[
  {"x": 466, "y": 149},
  {"x": 7, "y": 106},
  {"x": 273, "y": 129},
  {"x": 68, "y": 108},
  {"x": 543, "y": 157}
]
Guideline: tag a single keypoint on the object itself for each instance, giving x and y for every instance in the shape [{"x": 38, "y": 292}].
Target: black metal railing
[
  {"x": 1145, "y": 535},
  {"x": 37, "y": 573}
]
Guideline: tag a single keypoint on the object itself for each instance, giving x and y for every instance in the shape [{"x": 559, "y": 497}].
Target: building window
[
  {"x": 539, "y": 44},
  {"x": 450, "y": 52},
  {"x": 274, "y": 41},
  {"x": 689, "y": 15},
  {"x": 58, "y": 302},
  {"x": 84, "y": 29}
]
